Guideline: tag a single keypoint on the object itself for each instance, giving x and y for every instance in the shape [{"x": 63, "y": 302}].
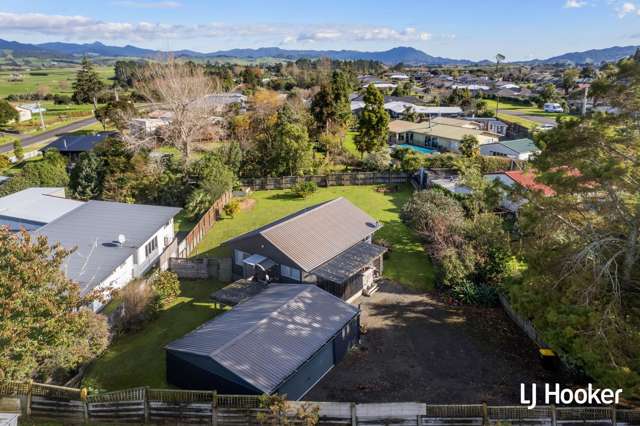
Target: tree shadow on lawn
[{"x": 138, "y": 359}]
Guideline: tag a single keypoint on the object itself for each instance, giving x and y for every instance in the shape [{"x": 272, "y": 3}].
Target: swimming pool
[{"x": 419, "y": 149}]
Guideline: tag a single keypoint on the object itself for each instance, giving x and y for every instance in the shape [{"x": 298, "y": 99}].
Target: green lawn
[
  {"x": 138, "y": 359},
  {"x": 57, "y": 80},
  {"x": 525, "y": 109},
  {"x": 407, "y": 264}
]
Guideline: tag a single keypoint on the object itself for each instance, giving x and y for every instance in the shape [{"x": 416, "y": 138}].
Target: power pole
[
  {"x": 42, "y": 125},
  {"x": 584, "y": 100}
]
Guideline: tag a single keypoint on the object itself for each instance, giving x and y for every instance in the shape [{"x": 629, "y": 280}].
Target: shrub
[
  {"x": 18, "y": 151},
  {"x": 304, "y": 189},
  {"x": 465, "y": 292},
  {"x": 232, "y": 208},
  {"x": 166, "y": 285},
  {"x": 136, "y": 301},
  {"x": 377, "y": 161},
  {"x": 4, "y": 162}
]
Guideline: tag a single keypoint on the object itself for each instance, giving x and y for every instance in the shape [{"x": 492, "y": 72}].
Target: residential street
[{"x": 30, "y": 140}]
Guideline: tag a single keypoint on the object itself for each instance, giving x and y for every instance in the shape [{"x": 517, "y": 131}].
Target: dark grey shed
[{"x": 283, "y": 340}]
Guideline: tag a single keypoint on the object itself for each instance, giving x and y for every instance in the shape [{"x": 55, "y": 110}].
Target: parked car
[{"x": 553, "y": 107}]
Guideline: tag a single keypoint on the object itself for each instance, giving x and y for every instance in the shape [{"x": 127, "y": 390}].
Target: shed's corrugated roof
[
  {"x": 267, "y": 337},
  {"x": 37, "y": 205},
  {"x": 93, "y": 227},
  {"x": 317, "y": 234}
]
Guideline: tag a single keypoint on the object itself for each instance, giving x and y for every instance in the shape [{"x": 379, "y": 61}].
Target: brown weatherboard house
[{"x": 328, "y": 244}]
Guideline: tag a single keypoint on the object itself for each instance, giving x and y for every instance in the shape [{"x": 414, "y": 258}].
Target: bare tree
[{"x": 183, "y": 90}]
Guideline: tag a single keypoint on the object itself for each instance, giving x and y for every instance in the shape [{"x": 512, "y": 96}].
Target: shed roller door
[{"x": 308, "y": 374}]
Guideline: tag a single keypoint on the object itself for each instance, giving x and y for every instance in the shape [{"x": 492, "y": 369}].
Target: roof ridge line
[
  {"x": 262, "y": 321},
  {"x": 301, "y": 214}
]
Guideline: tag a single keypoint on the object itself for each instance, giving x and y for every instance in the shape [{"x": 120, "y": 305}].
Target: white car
[{"x": 553, "y": 107}]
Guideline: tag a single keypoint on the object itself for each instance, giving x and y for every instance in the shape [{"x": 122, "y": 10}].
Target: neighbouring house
[
  {"x": 33, "y": 208},
  {"x": 398, "y": 106},
  {"x": 398, "y": 129},
  {"x": 23, "y": 114},
  {"x": 26, "y": 111},
  {"x": 516, "y": 149},
  {"x": 517, "y": 178},
  {"x": 399, "y": 77},
  {"x": 283, "y": 340},
  {"x": 115, "y": 242},
  {"x": 490, "y": 124},
  {"x": 432, "y": 134},
  {"x": 328, "y": 244},
  {"x": 147, "y": 126},
  {"x": 219, "y": 102},
  {"x": 71, "y": 145}
]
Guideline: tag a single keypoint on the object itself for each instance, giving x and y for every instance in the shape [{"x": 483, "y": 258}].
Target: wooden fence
[
  {"x": 205, "y": 223},
  {"x": 144, "y": 405},
  {"x": 338, "y": 179}
]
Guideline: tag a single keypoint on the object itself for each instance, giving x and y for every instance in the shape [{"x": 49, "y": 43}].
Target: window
[
  {"x": 289, "y": 272},
  {"x": 151, "y": 246},
  {"x": 239, "y": 256}
]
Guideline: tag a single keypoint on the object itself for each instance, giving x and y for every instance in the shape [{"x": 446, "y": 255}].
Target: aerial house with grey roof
[
  {"x": 329, "y": 244},
  {"x": 281, "y": 341}
]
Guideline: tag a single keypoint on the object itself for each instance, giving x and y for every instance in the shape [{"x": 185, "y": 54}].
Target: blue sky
[{"x": 520, "y": 29}]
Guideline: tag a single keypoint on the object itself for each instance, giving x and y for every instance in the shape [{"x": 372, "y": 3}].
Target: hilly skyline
[{"x": 401, "y": 54}]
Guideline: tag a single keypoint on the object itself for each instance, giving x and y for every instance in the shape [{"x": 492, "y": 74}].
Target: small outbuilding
[{"x": 280, "y": 341}]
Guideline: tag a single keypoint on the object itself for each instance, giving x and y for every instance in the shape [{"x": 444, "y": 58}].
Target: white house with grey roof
[
  {"x": 33, "y": 208},
  {"x": 115, "y": 242},
  {"x": 112, "y": 243}
]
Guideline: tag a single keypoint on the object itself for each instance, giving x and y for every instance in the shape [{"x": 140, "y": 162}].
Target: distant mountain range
[{"x": 406, "y": 55}]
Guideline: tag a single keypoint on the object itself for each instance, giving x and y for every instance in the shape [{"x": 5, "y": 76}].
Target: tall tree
[
  {"x": 44, "y": 325},
  {"x": 7, "y": 113},
  {"x": 584, "y": 257},
  {"x": 470, "y": 146},
  {"x": 182, "y": 89},
  {"x": 88, "y": 85},
  {"x": 569, "y": 77},
  {"x": 373, "y": 123},
  {"x": 86, "y": 177},
  {"x": 330, "y": 106}
]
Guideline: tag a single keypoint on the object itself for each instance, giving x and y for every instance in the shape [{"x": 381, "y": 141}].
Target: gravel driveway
[{"x": 417, "y": 347}]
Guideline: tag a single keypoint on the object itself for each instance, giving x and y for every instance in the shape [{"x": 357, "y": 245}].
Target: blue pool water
[{"x": 420, "y": 149}]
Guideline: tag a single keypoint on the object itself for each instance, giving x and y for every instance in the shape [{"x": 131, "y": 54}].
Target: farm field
[
  {"x": 56, "y": 80},
  {"x": 407, "y": 263},
  {"x": 138, "y": 359}
]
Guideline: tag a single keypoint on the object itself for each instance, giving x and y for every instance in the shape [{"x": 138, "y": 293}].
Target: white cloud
[
  {"x": 82, "y": 28},
  {"x": 627, "y": 8},
  {"x": 365, "y": 33},
  {"x": 149, "y": 4},
  {"x": 575, "y": 4}
]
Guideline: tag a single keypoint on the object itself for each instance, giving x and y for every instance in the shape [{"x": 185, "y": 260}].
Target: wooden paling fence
[
  {"x": 153, "y": 406},
  {"x": 337, "y": 179},
  {"x": 205, "y": 223}
]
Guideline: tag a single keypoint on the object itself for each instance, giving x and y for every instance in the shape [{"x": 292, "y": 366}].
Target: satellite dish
[{"x": 121, "y": 239}]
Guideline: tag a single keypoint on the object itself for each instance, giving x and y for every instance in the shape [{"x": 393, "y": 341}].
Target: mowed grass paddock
[
  {"x": 51, "y": 80},
  {"x": 407, "y": 263}
]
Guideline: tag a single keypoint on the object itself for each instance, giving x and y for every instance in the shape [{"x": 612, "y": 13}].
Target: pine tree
[
  {"x": 88, "y": 85},
  {"x": 373, "y": 123},
  {"x": 86, "y": 177}
]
